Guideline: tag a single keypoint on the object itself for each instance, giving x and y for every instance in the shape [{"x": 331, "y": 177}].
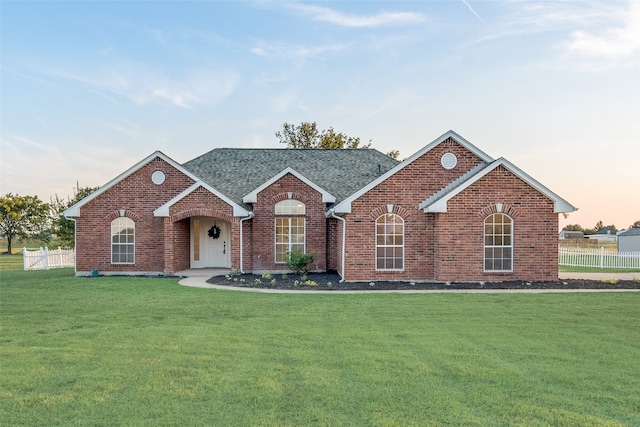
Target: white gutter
[
  {"x": 344, "y": 236},
  {"x": 251, "y": 214}
]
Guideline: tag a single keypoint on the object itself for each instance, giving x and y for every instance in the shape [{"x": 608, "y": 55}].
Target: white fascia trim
[
  {"x": 559, "y": 204},
  {"x": 163, "y": 211},
  {"x": 253, "y": 196},
  {"x": 74, "y": 211},
  {"x": 345, "y": 205}
]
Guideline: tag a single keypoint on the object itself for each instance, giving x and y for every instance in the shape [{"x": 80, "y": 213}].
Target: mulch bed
[{"x": 331, "y": 282}]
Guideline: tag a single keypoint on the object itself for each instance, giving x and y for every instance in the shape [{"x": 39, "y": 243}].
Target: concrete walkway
[
  {"x": 599, "y": 276},
  {"x": 197, "y": 278}
]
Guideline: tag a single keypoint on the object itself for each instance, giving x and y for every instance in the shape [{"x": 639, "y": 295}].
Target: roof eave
[
  {"x": 163, "y": 211},
  {"x": 252, "y": 197},
  {"x": 440, "y": 206},
  {"x": 74, "y": 211},
  {"x": 345, "y": 205}
]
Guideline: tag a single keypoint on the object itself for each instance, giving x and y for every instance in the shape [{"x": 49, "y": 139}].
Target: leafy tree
[
  {"x": 573, "y": 227},
  {"x": 22, "y": 216},
  {"x": 394, "y": 154},
  {"x": 599, "y": 226},
  {"x": 307, "y": 135},
  {"x": 635, "y": 225},
  {"x": 61, "y": 227}
]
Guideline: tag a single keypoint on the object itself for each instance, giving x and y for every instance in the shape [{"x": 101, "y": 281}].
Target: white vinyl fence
[
  {"x": 598, "y": 258},
  {"x": 44, "y": 259}
]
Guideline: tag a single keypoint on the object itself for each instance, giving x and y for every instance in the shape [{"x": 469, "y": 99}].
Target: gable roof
[
  {"x": 253, "y": 196},
  {"x": 630, "y": 232},
  {"x": 438, "y": 202},
  {"x": 163, "y": 210},
  {"x": 345, "y": 205},
  {"x": 74, "y": 211},
  {"x": 239, "y": 172}
]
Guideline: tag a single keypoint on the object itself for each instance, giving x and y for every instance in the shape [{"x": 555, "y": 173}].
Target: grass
[
  {"x": 568, "y": 269},
  {"x": 147, "y": 352}
]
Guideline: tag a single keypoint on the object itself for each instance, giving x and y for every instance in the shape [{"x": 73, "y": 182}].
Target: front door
[{"x": 210, "y": 243}]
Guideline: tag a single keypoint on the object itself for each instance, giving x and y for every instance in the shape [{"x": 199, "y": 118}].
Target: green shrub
[{"x": 298, "y": 261}]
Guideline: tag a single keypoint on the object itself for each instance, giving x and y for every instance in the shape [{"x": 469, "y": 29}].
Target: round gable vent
[
  {"x": 157, "y": 177},
  {"x": 449, "y": 160}
]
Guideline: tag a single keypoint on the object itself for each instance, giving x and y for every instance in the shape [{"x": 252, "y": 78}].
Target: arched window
[
  {"x": 290, "y": 228},
  {"x": 389, "y": 242},
  {"x": 123, "y": 241},
  {"x": 498, "y": 243}
]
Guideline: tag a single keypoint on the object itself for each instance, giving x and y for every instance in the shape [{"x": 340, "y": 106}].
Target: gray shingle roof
[{"x": 237, "y": 171}]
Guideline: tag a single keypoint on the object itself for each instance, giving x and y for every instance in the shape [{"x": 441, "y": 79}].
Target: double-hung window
[
  {"x": 498, "y": 243},
  {"x": 123, "y": 241},
  {"x": 290, "y": 228},
  {"x": 389, "y": 242}
]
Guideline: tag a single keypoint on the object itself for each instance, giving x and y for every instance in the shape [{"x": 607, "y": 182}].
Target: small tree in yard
[
  {"x": 298, "y": 261},
  {"x": 22, "y": 216},
  {"x": 61, "y": 227}
]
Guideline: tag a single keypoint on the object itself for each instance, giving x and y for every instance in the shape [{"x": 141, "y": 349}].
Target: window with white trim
[
  {"x": 289, "y": 229},
  {"x": 389, "y": 242},
  {"x": 123, "y": 241},
  {"x": 498, "y": 243}
]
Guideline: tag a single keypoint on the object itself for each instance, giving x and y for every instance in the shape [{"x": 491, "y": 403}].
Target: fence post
[
  {"x": 46, "y": 258},
  {"x": 24, "y": 258},
  {"x": 601, "y": 256}
]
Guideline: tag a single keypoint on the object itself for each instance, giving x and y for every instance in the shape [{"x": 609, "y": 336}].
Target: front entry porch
[{"x": 210, "y": 245}]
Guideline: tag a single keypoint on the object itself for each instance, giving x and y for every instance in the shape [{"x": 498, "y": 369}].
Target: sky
[{"x": 88, "y": 89}]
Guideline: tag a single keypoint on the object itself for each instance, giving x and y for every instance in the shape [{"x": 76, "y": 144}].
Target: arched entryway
[{"x": 210, "y": 243}]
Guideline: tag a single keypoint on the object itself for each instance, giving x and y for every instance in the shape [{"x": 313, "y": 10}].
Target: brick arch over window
[
  {"x": 128, "y": 214},
  {"x": 381, "y": 210},
  {"x": 294, "y": 196},
  {"x": 506, "y": 209},
  {"x": 214, "y": 213}
]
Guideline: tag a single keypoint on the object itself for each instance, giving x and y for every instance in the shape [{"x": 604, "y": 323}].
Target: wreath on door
[{"x": 214, "y": 232}]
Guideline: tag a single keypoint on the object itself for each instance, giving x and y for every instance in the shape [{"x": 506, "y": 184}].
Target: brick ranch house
[{"x": 447, "y": 213}]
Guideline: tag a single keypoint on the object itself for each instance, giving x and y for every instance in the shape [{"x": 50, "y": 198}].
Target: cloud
[
  {"x": 619, "y": 42},
  {"x": 144, "y": 85},
  {"x": 332, "y": 16},
  {"x": 287, "y": 50}
]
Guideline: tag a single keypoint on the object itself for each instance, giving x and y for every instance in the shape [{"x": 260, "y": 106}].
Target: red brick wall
[
  {"x": 449, "y": 246},
  {"x": 405, "y": 190},
  {"x": 263, "y": 224},
  {"x": 139, "y": 196},
  {"x": 334, "y": 245},
  {"x": 460, "y": 233}
]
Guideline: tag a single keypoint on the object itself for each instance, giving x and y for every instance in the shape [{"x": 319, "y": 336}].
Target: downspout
[
  {"x": 251, "y": 214},
  {"x": 344, "y": 236}
]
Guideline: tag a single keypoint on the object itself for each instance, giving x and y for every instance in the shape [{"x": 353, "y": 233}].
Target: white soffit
[
  {"x": 253, "y": 196},
  {"x": 163, "y": 211},
  {"x": 345, "y": 205},
  {"x": 74, "y": 211},
  {"x": 560, "y": 205}
]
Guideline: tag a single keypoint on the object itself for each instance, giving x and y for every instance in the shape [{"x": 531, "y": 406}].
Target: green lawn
[
  {"x": 148, "y": 352},
  {"x": 564, "y": 268}
]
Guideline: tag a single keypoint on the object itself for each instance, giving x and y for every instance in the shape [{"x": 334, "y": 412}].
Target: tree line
[
  {"x": 28, "y": 217},
  {"x": 599, "y": 226}
]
